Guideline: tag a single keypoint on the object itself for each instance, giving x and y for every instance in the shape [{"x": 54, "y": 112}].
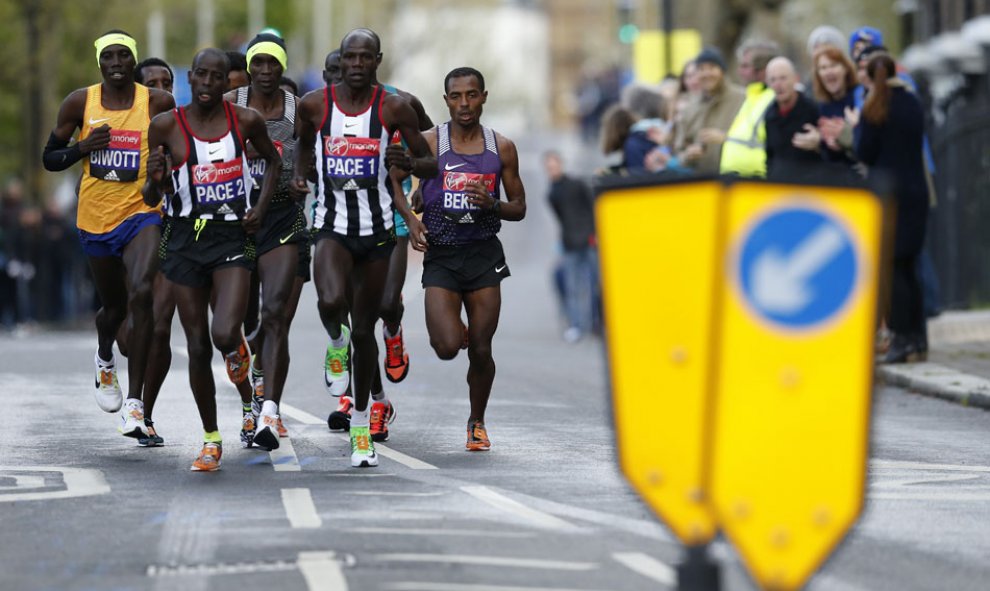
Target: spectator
[
  {"x": 891, "y": 132},
  {"x": 744, "y": 150},
  {"x": 698, "y": 141},
  {"x": 825, "y": 35},
  {"x": 573, "y": 204},
  {"x": 649, "y": 131},
  {"x": 834, "y": 85},
  {"x": 617, "y": 125},
  {"x": 791, "y": 113}
]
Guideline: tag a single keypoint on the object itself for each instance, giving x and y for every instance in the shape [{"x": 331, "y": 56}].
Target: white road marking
[
  {"x": 322, "y": 571},
  {"x": 284, "y": 458},
  {"x": 411, "y": 586},
  {"x": 488, "y": 561},
  {"x": 504, "y": 503},
  {"x": 896, "y": 464},
  {"x": 299, "y": 508},
  {"x": 480, "y": 533},
  {"x": 79, "y": 482},
  {"x": 240, "y": 568},
  {"x": 300, "y": 415},
  {"x": 649, "y": 567},
  {"x": 24, "y": 482}
]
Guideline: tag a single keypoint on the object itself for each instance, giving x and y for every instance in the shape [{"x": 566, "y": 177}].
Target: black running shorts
[
  {"x": 285, "y": 223},
  {"x": 465, "y": 268},
  {"x": 362, "y": 248},
  {"x": 194, "y": 249}
]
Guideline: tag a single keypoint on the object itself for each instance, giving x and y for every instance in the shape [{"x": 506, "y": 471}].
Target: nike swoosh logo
[
  {"x": 449, "y": 167},
  {"x": 95, "y": 121},
  {"x": 350, "y": 125},
  {"x": 234, "y": 258},
  {"x": 382, "y": 243},
  {"x": 499, "y": 269},
  {"x": 286, "y": 239},
  {"x": 213, "y": 153}
]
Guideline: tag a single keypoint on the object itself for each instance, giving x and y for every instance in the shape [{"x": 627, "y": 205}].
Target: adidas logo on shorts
[
  {"x": 111, "y": 176},
  {"x": 225, "y": 209},
  {"x": 351, "y": 185},
  {"x": 467, "y": 219}
]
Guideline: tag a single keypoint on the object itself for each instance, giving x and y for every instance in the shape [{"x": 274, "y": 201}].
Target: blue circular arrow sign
[{"x": 797, "y": 267}]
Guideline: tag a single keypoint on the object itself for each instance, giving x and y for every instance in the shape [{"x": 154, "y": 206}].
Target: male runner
[
  {"x": 238, "y": 75},
  {"x": 463, "y": 212},
  {"x": 119, "y": 233},
  {"x": 331, "y": 68},
  {"x": 154, "y": 72},
  {"x": 282, "y": 243},
  {"x": 396, "y": 360},
  {"x": 351, "y": 123},
  {"x": 208, "y": 250}
]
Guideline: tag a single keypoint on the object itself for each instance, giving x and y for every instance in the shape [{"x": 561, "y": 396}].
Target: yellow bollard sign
[
  {"x": 659, "y": 254},
  {"x": 792, "y": 407},
  {"x": 740, "y": 322}
]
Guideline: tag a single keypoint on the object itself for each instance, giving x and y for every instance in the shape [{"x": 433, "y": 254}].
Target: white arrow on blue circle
[{"x": 780, "y": 283}]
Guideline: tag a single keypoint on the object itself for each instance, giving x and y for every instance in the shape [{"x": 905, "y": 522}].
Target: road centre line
[
  {"x": 300, "y": 415},
  {"x": 479, "y": 533},
  {"x": 649, "y": 567},
  {"x": 899, "y": 464},
  {"x": 504, "y": 503},
  {"x": 79, "y": 482},
  {"x": 395, "y": 455},
  {"x": 284, "y": 458},
  {"x": 416, "y": 586},
  {"x": 299, "y": 508},
  {"x": 488, "y": 561},
  {"x": 322, "y": 571}
]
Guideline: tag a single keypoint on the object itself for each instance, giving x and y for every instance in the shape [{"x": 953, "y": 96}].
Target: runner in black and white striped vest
[
  {"x": 282, "y": 243},
  {"x": 348, "y": 125}
]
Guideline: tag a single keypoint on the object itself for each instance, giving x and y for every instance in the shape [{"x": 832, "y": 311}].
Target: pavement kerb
[{"x": 939, "y": 381}]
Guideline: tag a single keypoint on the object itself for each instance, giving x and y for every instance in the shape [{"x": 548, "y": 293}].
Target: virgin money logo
[
  {"x": 455, "y": 181},
  {"x": 336, "y": 146},
  {"x": 205, "y": 173}
]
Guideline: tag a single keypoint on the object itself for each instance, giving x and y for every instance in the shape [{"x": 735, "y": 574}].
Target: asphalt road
[{"x": 83, "y": 508}]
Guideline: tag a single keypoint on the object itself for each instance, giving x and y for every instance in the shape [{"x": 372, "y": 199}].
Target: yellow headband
[
  {"x": 268, "y": 48},
  {"x": 115, "y": 39}
]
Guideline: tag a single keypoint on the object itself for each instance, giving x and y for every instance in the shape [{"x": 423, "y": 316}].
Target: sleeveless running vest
[
  {"x": 283, "y": 134},
  {"x": 352, "y": 195},
  {"x": 110, "y": 191},
  {"x": 447, "y": 215},
  {"x": 213, "y": 182}
]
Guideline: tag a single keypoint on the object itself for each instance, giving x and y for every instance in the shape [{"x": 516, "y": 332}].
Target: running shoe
[
  {"x": 209, "y": 458},
  {"x": 132, "y": 419},
  {"x": 340, "y": 419},
  {"x": 238, "y": 363},
  {"x": 382, "y": 413},
  {"x": 396, "y": 358},
  {"x": 108, "y": 394},
  {"x": 258, "y": 397},
  {"x": 266, "y": 436},
  {"x": 282, "y": 432},
  {"x": 247, "y": 428},
  {"x": 335, "y": 369},
  {"x": 477, "y": 436},
  {"x": 152, "y": 439},
  {"x": 362, "y": 448}
]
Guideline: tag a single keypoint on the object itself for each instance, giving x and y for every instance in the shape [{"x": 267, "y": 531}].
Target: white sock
[
  {"x": 109, "y": 363},
  {"x": 342, "y": 340},
  {"x": 379, "y": 396},
  {"x": 361, "y": 418},
  {"x": 269, "y": 408},
  {"x": 388, "y": 333}
]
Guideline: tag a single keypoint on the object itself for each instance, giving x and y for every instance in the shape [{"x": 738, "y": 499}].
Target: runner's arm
[
  {"x": 310, "y": 107},
  {"x": 58, "y": 154},
  {"x": 417, "y": 159},
  {"x": 158, "y": 179},
  {"x": 254, "y": 130},
  {"x": 160, "y": 101}
]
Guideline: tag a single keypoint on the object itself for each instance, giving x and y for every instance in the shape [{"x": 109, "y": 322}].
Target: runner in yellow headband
[{"x": 115, "y": 38}]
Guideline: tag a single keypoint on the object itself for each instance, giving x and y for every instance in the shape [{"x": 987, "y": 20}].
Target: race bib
[
  {"x": 216, "y": 184},
  {"x": 455, "y": 200},
  {"x": 257, "y": 166},
  {"x": 351, "y": 163},
  {"x": 121, "y": 160}
]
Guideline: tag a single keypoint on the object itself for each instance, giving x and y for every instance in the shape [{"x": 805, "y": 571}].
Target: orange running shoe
[
  {"x": 477, "y": 436},
  {"x": 238, "y": 363},
  {"x": 340, "y": 419},
  {"x": 209, "y": 458},
  {"x": 396, "y": 358},
  {"x": 281, "y": 428},
  {"x": 382, "y": 413}
]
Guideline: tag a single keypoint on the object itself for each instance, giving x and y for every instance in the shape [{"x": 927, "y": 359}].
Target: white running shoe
[
  {"x": 132, "y": 419},
  {"x": 108, "y": 394},
  {"x": 336, "y": 376},
  {"x": 266, "y": 435},
  {"x": 362, "y": 448}
]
